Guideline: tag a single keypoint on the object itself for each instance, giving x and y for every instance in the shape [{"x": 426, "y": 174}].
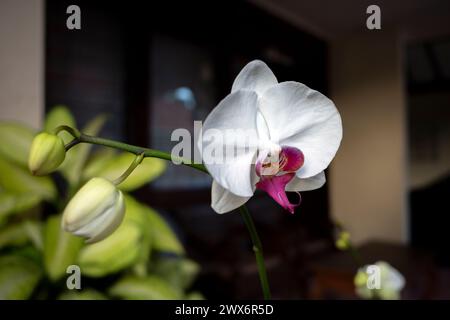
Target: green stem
[
  {"x": 84, "y": 138},
  {"x": 257, "y": 248},
  {"x": 137, "y": 161},
  {"x": 145, "y": 152},
  {"x": 74, "y": 132},
  {"x": 71, "y": 144}
]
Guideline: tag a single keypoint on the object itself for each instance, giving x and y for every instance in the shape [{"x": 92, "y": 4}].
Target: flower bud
[
  {"x": 46, "y": 154},
  {"x": 343, "y": 241},
  {"x": 96, "y": 210}
]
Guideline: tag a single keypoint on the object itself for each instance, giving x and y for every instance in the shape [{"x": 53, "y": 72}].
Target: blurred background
[{"x": 160, "y": 65}]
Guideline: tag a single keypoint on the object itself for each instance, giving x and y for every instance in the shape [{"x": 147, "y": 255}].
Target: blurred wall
[
  {"x": 368, "y": 176},
  {"x": 22, "y": 60}
]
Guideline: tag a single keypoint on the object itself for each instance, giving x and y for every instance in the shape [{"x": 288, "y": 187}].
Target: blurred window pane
[{"x": 183, "y": 90}]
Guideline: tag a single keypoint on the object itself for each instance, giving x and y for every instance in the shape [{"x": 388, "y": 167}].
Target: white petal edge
[
  {"x": 255, "y": 76},
  {"x": 223, "y": 201},
  {"x": 312, "y": 183},
  {"x": 237, "y": 111},
  {"x": 300, "y": 117}
]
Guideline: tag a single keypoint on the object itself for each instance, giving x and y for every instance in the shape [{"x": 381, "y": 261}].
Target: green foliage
[
  {"x": 35, "y": 252},
  {"x": 59, "y": 116},
  {"x": 16, "y": 142},
  {"x": 118, "y": 251},
  {"x": 144, "y": 288},
  {"x": 162, "y": 237},
  {"x": 60, "y": 248},
  {"x": 177, "y": 271},
  {"x": 13, "y": 235},
  {"x": 85, "y": 294},
  {"x": 18, "y": 277},
  {"x": 110, "y": 167},
  {"x": 17, "y": 180},
  {"x": 11, "y": 203}
]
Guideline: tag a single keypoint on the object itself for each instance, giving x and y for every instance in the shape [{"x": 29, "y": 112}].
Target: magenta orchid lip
[{"x": 276, "y": 171}]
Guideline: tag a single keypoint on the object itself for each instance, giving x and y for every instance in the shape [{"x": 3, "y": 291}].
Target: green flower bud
[
  {"x": 46, "y": 154},
  {"x": 343, "y": 241},
  {"x": 96, "y": 210}
]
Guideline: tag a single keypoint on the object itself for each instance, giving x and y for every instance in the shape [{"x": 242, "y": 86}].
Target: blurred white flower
[
  {"x": 391, "y": 282},
  {"x": 297, "y": 132},
  {"x": 96, "y": 210}
]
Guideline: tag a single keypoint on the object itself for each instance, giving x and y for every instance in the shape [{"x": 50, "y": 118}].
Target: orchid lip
[
  {"x": 276, "y": 170},
  {"x": 275, "y": 186}
]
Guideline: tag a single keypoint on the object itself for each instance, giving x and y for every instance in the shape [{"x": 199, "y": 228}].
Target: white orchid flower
[
  {"x": 391, "y": 282},
  {"x": 295, "y": 132}
]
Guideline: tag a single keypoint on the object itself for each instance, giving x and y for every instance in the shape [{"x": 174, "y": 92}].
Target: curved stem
[
  {"x": 137, "y": 161},
  {"x": 257, "y": 248},
  {"x": 71, "y": 144},
  {"x": 84, "y": 138},
  {"x": 73, "y": 131}
]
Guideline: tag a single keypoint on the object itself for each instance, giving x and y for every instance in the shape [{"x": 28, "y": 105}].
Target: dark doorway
[{"x": 429, "y": 145}]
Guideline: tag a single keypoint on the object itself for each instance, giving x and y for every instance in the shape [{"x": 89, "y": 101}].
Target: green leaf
[
  {"x": 34, "y": 232},
  {"x": 179, "y": 272},
  {"x": 195, "y": 295},
  {"x": 135, "y": 214},
  {"x": 85, "y": 294},
  {"x": 58, "y": 116},
  {"x": 76, "y": 157},
  {"x": 144, "y": 288},
  {"x": 148, "y": 170},
  {"x": 60, "y": 248},
  {"x": 13, "y": 235},
  {"x": 11, "y": 203},
  {"x": 18, "y": 277},
  {"x": 98, "y": 161},
  {"x": 116, "y": 252},
  {"x": 22, "y": 233},
  {"x": 16, "y": 142},
  {"x": 162, "y": 237},
  {"x": 18, "y": 180}
]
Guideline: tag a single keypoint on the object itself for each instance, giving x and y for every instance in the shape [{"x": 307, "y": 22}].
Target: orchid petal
[
  {"x": 255, "y": 76},
  {"x": 223, "y": 201},
  {"x": 261, "y": 125},
  {"x": 234, "y": 119},
  {"x": 312, "y": 183},
  {"x": 300, "y": 117}
]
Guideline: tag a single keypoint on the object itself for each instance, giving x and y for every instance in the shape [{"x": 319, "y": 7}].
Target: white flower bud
[{"x": 95, "y": 211}]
